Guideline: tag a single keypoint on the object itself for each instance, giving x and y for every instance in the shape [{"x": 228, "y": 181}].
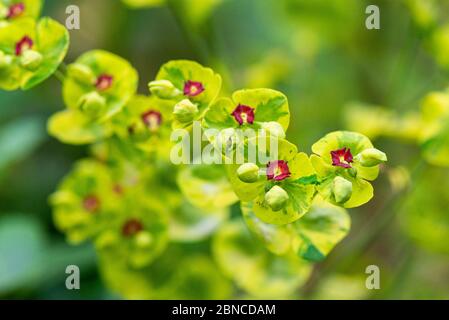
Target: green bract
[
  {"x": 206, "y": 186},
  {"x": 145, "y": 122},
  {"x": 189, "y": 223},
  {"x": 183, "y": 79},
  {"x": 30, "y": 52},
  {"x": 85, "y": 201},
  {"x": 99, "y": 84},
  {"x": 312, "y": 237},
  {"x": 334, "y": 179},
  {"x": 253, "y": 268},
  {"x": 268, "y": 110},
  {"x": 298, "y": 186},
  {"x": 13, "y": 10},
  {"x": 73, "y": 127},
  {"x": 139, "y": 234}
]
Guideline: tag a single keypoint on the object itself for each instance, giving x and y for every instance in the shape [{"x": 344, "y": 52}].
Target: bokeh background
[{"x": 319, "y": 54}]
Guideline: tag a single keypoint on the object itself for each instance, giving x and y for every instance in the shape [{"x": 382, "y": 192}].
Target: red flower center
[
  {"x": 152, "y": 119},
  {"x": 342, "y": 158},
  {"x": 91, "y": 203},
  {"x": 193, "y": 88},
  {"x": 104, "y": 82},
  {"x": 243, "y": 114},
  {"x": 24, "y": 44},
  {"x": 15, "y": 10},
  {"x": 278, "y": 170},
  {"x": 131, "y": 227},
  {"x": 118, "y": 189}
]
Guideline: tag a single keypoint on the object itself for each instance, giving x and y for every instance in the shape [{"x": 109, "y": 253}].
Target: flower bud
[
  {"x": 276, "y": 198},
  {"x": 92, "y": 104},
  {"x": 274, "y": 128},
  {"x": 81, "y": 73},
  {"x": 341, "y": 189},
  {"x": 185, "y": 111},
  {"x": 371, "y": 157},
  {"x": 248, "y": 172},
  {"x": 143, "y": 239},
  {"x": 164, "y": 89},
  {"x": 30, "y": 60}
]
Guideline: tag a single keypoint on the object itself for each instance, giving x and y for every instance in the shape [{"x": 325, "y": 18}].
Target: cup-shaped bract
[
  {"x": 338, "y": 155},
  {"x": 96, "y": 74},
  {"x": 12, "y": 11},
  {"x": 30, "y": 52},
  {"x": 187, "y": 80},
  {"x": 286, "y": 169},
  {"x": 85, "y": 201}
]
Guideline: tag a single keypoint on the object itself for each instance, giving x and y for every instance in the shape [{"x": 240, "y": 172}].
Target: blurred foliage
[{"x": 336, "y": 74}]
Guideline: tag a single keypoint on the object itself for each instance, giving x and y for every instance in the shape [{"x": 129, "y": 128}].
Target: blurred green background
[{"x": 319, "y": 54}]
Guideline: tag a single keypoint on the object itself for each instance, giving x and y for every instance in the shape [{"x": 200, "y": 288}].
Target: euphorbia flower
[
  {"x": 24, "y": 44},
  {"x": 342, "y": 158},
  {"x": 91, "y": 203},
  {"x": 183, "y": 81},
  {"x": 193, "y": 88},
  {"x": 104, "y": 82},
  {"x": 278, "y": 170},
  {"x": 132, "y": 227},
  {"x": 15, "y": 10},
  {"x": 152, "y": 119},
  {"x": 349, "y": 150},
  {"x": 84, "y": 201},
  {"x": 286, "y": 194},
  {"x": 30, "y": 50},
  {"x": 243, "y": 114}
]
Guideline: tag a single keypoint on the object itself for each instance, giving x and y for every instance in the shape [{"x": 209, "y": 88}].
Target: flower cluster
[{"x": 132, "y": 202}]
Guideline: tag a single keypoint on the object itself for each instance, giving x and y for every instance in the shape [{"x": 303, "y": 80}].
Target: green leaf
[
  {"x": 73, "y": 127},
  {"x": 323, "y": 227},
  {"x": 253, "y": 268}
]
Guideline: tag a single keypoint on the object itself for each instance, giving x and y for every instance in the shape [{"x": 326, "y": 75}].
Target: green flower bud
[
  {"x": 30, "y": 60},
  {"x": 371, "y": 157},
  {"x": 276, "y": 198},
  {"x": 5, "y": 60},
  {"x": 143, "y": 239},
  {"x": 342, "y": 189},
  {"x": 274, "y": 128},
  {"x": 81, "y": 73},
  {"x": 106, "y": 240},
  {"x": 164, "y": 89},
  {"x": 185, "y": 111},
  {"x": 92, "y": 104},
  {"x": 248, "y": 172}
]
